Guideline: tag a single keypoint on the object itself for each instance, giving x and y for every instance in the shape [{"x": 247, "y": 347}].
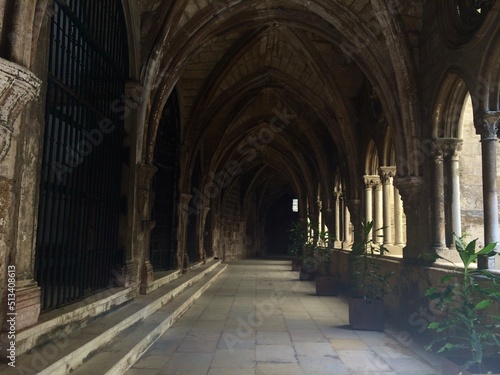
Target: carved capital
[
  {"x": 409, "y": 189},
  {"x": 386, "y": 173},
  {"x": 18, "y": 86},
  {"x": 445, "y": 148},
  {"x": 371, "y": 181},
  {"x": 491, "y": 122}
]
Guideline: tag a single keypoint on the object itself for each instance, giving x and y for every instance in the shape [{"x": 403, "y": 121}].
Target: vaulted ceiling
[{"x": 241, "y": 66}]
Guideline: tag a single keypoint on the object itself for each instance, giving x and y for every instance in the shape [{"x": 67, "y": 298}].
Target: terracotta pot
[
  {"x": 327, "y": 285},
  {"x": 295, "y": 264},
  {"x": 366, "y": 314}
]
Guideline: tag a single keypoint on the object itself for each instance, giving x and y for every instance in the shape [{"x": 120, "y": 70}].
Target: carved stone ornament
[
  {"x": 445, "y": 148},
  {"x": 371, "y": 181},
  {"x": 386, "y": 173},
  {"x": 17, "y": 87},
  {"x": 490, "y": 126}
]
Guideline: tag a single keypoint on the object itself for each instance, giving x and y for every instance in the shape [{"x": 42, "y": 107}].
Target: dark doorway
[{"x": 278, "y": 222}]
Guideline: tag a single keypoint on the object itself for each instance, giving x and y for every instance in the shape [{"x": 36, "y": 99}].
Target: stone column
[
  {"x": 183, "y": 211},
  {"x": 438, "y": 214},
  {"x": 18, "y": 86},
  {"x": 337, "y": 219},
  {"x": 346, "y": 244},
  {"x": 417, "y": 244},
  {"x": 370, "y": 182},
  {"x": 398, "y": 219},
  {"x": 379, "y": 210},
  {"x": 201, "y": 232},
  {"x": 386, "y": 174},
  {"x": 489, "y": 141},
  {"x": 145, "y": 173},
  {"x": 452, "y": 162}
]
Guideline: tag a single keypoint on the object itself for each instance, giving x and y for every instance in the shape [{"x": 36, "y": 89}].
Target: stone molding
[{"x": 18, "y": 86}]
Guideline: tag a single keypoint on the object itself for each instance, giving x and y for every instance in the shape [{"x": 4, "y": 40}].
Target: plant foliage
[
  {"x": 467, "y": 327},
  {"x": 368, "y": 280}
]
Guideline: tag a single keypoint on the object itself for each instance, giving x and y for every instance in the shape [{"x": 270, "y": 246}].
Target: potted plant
[
  {"x": 369, "y": 284},
  {"x": 327, "y": 284},
  {"x": 297, "y": 239},
  {"x": 468, "y": 328}
]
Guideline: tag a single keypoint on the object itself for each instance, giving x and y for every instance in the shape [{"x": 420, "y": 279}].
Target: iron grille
[{"x": 77, "y": 239}]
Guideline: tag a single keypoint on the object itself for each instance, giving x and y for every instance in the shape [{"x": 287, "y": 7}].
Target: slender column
[
  {"x": 370, "y": 182},
  {"x": 387, "y": 173},
  {"x": 452, "y": 161},
  {"x": 379, "y": 220},
  {"x": 490, "y": 194},
  {"x": 438, "y": 222},
  {"x": 398, "y": 219},
  {"x": 347, "y": 227},
  {"x": 182, "y": 229},
  {"x": 337, "y": 216}
]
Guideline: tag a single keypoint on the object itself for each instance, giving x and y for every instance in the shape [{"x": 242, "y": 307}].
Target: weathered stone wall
[{"x": 233, "y": 228}]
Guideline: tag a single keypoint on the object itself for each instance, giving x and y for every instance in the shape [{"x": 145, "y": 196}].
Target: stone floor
[{"x": 259, "y": 319}]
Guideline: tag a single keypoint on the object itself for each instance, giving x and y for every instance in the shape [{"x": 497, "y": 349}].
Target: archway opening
[{"x": 278, "y": 221}]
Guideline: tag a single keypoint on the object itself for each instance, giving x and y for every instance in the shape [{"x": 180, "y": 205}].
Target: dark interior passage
[{"x": 278, "y": 221}]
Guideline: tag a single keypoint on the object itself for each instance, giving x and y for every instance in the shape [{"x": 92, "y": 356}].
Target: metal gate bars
[{"x": 77, "y": 239}]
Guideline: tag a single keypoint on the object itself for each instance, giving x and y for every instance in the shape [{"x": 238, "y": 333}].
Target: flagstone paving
[{"x": 259, "y": 319}]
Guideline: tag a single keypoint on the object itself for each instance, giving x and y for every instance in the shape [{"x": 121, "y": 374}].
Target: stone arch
[
  {"x": 371, "y": 159},
  {"x": 449, "y": 106},
  {"x": 171, "y": 74}
]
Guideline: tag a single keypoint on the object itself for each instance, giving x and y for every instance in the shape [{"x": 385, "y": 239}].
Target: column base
[
  {"x": 486, "y": 263},
  {"x": 28, "y": 295}
]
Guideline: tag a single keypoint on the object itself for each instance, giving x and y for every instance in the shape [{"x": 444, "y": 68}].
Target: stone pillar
[
  {"x": 18, "y": 86},
  {"x": 145, "y": 173},
  {"x": 337, "y": 219},
  {"x": 453, "y": 169},
  {"x": 398, "y": 219},
  {"x": 379, "y": 210},
  {"x": 489, "y": 141},
  {"x": 182, "y": 229},
  {"x": 201, "y": 232},
  {"x": 438, "y": 223},
  {"x": 370, "y": 182},
  {"x": 387, "y": 173},
  {"x": 410, "y": 189},
  {"x": 346, "y": 244}
]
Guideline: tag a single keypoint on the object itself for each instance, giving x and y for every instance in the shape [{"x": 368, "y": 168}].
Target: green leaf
[
  {"x": 434, "y": 325},
  {"x": 483, "y": 304},
  {"x": 487, "y": 249}
]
